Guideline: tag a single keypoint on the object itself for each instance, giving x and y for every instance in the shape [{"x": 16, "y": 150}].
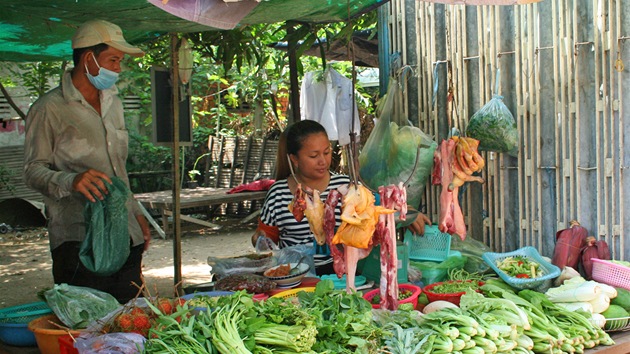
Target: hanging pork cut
[
  {"x": 451, "y": 219},
  {"x": 336, "y": 250},
  {"x": 393, "y": 198}
]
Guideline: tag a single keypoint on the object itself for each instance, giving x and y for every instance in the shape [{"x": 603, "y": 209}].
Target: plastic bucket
[{"x": 47, "y": 334}]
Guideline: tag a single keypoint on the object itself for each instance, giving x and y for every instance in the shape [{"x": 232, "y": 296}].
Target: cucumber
[{"x": 622, "y": 299}]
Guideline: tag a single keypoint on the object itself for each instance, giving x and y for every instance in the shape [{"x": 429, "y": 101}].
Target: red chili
[
  {"x": 520, "y": 263},
  {"x": 522, "y": 275}
]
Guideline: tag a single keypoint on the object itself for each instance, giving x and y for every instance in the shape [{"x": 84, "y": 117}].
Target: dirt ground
[{"x": 25, "y": 262}]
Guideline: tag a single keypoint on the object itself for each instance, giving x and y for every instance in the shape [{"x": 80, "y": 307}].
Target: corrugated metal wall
[{"x": 562, "y": 76}]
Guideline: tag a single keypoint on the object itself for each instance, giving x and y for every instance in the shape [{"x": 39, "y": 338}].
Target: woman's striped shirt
[{"x": 275, "y": 212}]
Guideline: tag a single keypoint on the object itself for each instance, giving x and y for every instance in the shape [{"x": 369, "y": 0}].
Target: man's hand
[
  {"x": 417, "y": 226},
  {"x": 146, "y": 232},
  {"x": 91, "y": 183}
]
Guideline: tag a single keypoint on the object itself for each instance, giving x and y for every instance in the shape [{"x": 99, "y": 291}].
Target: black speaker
[{"x": 162, "y": 106}]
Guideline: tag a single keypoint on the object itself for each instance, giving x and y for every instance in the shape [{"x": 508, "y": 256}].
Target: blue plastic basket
[
  {"x": 434, "y": 245},
  {"x": 542, "y": 283},
  {"x": 17, "y": 334}
]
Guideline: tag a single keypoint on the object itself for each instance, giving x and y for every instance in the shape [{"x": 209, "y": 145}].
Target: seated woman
[{"x": 308, "y": 148}]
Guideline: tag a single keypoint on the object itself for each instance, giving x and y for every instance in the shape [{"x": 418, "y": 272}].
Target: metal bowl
[{"x": 291, "y": 280}]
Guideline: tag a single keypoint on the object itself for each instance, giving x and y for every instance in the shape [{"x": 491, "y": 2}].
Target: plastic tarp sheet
[{"x": 40, "y": 30}]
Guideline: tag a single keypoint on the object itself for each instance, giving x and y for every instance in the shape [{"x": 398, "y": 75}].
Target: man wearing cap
[{"x": 75, "y": 141}]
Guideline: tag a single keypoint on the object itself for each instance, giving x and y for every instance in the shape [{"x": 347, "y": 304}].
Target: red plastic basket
[
  {"x": 66, "y": 345},
  {"x": 611, "y": 273},
  {"x": 452, "y": 297},
  {"x": 413, "y": 299}
]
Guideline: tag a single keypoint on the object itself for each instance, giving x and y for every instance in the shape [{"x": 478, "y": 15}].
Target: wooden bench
[
  {"x": 231, "y": 161},
  {"x": 190, "y": 198}
]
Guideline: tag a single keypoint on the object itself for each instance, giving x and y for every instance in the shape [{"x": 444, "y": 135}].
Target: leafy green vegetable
[
  {"x": 520, "y": 267},
  {"x": 495, "y": 128},
  {"x": 458, "y": 286},
  {"x": 344, "y": 321}
]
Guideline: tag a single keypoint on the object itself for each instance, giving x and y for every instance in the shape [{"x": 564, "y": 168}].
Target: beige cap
[{"x": 96, "y": 32}]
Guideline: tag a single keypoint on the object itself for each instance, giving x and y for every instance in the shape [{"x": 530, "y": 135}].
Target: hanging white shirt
[{"x": 327, "y": 98}]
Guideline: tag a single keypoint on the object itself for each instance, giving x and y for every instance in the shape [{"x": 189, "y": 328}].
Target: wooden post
[
  {"x": 294, "y": 93},
  {"x": 177, "y": 237}
]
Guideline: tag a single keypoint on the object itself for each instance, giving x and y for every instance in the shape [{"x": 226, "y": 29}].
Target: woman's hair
[{"x": 290, "y": 142}]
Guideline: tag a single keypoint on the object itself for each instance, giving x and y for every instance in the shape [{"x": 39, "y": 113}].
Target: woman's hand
[{"x": 417, "y": 227}]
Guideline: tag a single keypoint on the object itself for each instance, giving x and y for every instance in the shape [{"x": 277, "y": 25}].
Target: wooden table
[{"x": 195, "y": 197}]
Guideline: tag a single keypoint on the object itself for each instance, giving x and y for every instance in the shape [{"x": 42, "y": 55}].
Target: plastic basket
[
  {"x": 617, "y": 324},
  {"x": 611, "y": 273},
  {"x": 450, "y": 297},
  {"x": 434, "y": 245},
  {"x": 24, "y": 313},
  {"x": 413, "y": 299},
  {"x": 66, "y": 345},
  {"x": 542, "y": 283},
  {"x": 287, "y": 294}
]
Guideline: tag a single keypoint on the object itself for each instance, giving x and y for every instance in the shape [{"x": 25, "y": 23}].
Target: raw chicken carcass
[
  {"x": 359, "y": 217},
  {"x": 315, "y": 216},
  {"x": 298, "y": 205}
]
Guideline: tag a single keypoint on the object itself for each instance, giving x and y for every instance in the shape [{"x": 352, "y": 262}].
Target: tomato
[{"x": 522, "y": 275}]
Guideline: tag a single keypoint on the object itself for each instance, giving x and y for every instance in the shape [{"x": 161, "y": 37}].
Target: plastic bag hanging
[
  {"x": 390, "y": 152},
  {"x": 494, "y": 126}
]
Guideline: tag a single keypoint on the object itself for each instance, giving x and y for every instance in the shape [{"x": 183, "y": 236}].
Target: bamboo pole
[
  {"x": 520, "y": 118},
  {"x": 615, "y": 239}
]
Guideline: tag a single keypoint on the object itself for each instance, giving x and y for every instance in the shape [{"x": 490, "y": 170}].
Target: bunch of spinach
[{"x": 344, "y": 321}]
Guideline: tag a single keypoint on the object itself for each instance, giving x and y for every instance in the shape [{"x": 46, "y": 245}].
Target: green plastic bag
[
  {"x": 106, "y": 246},
  {"x": 389, "y": 154},
  {"x": 494, "y": 126},
  {"x": 78, "y": 306}
]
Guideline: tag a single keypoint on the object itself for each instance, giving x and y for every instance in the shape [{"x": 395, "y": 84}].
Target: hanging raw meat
[
  {"x": 355, "y": 237},
  {"x": 451, "y": 217},
  {"x": 454, "y": 162},
  {"x": 393, "y": 198},
  {"x": 336, "y": 250},
  {"x": 314, "y": 213},
  {"x": 298, "y": 205},
  {"x": 359, "y": 216}
]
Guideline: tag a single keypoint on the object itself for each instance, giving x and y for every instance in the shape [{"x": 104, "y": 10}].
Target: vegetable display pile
[
  {"x": 451, "y": 287},
  {"x": 402, "y": 294},
  {"x": 520, "y": 267},
  {"x": 494, "y": 320}
]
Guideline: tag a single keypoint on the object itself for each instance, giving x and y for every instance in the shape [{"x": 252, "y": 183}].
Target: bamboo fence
[{"x": 562, "y": 77}]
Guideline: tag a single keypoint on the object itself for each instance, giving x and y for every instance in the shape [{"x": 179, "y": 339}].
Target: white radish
[
  {"x": 610, "y": 291},
  {"x": 574, "y": 306},
  {"x": 572, "y": 292},
  {"x": 600, "y": 303},
  {"x": 598, "y": 320},
  {"x": 437, "y": 305}
]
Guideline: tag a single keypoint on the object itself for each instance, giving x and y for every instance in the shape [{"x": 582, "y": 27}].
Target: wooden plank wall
[
  {"x": 234, "y": 161},
  {"x": 12, "y": 158},
  {"x": 560, "y": 76}
]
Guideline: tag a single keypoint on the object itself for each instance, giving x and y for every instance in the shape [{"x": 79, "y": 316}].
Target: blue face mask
[{"x": 105, "y": 78}]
